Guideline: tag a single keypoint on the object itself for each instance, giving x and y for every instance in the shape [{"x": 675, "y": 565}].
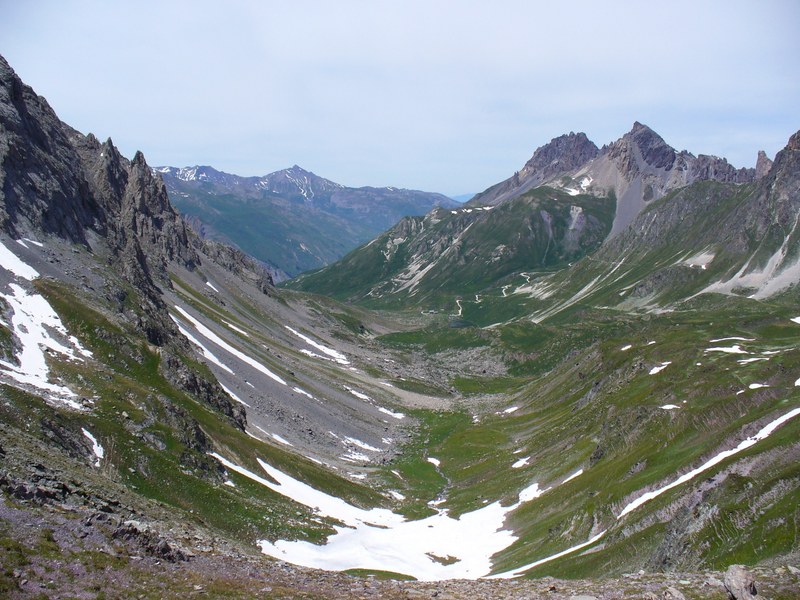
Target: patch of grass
[
  {"x": 381, "y": 575},
  {"x": 470, "y": 386},
  {"x": 420, "y": 387},
  {"x": 96, "y": 560},
  {"x": 438, "y": 340},
  {"x": 46, "y": 545}
]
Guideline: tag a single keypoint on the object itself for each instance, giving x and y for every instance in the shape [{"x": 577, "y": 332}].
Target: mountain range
[
  {"x": 539, "y": 395},
  {"x": 564, "y": 203},
  {"x": 292, "y": 220}
]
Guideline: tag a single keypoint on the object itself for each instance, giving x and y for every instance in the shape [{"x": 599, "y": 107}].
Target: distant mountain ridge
[
  {"x": 637, "y": 168},
  {"x": 292, "y": 219}
]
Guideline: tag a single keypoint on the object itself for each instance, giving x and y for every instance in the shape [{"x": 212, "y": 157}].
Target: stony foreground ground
[{"x": 52, "y": 551}]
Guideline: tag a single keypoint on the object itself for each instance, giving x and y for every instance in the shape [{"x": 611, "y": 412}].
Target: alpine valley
[{"x": 584, "y": 383}]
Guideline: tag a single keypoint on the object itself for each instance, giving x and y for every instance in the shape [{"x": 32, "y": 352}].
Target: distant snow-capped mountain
[{"x": 292, "y": 218}]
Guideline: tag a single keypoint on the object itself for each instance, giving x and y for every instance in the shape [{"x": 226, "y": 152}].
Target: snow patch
[
  {"x": 210, "y": 356},
  {"x": 40, "y": 332},
  {"x": 383, "y": 540},
  {"x": 735, "y": 349},
  {"x": 358, "y": 394},
  {"x": 236, "y": 329},
  {"x": 434, "y": 461},
  {"x": 669, "y": 407},
  {"x": 573, "y": 476},
  {"x": 334, "y": 354},
  {"x": 394, "y": 415},
  {"x": 360, "y": 444},
  {"x": 10, "y": 262},
  {"x": 521, "y": 463},
  {"x": 745, "y": 361},
  {"x": 234, "y": 396},
  {"x": 303, "y": 392},
  {"x": 660, "y": 367},
  {"x": 99, "y": 453}
]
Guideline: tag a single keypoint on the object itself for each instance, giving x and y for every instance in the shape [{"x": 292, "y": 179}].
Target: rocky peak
[
  {"x": 641, "y": 147},
  {"x": 561, "y": 154},
  {"x": 794, "y": 142},
  {"x": 785, "y": 170},
  {"x": 147, "y": 214},
  {"x": 763, "y": 164}
]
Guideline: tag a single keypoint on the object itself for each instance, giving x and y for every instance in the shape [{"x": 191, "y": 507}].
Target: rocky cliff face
[
  {"x": 56, "y": 181},
  {"x": 40, "y": 174}
]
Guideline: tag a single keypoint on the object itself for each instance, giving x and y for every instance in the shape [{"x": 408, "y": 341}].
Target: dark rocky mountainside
[{"x": 292, "y": 219}]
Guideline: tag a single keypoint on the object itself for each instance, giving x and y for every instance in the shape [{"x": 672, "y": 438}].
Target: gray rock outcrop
[{"x": 740, "y": 583}]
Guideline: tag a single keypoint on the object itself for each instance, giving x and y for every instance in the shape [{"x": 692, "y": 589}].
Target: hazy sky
[{"x": 437, "y": 95}]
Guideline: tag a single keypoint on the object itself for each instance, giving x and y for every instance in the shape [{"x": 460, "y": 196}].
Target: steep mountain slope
[
  {"x": 167, "y": 414},
  {"x": 291, "y": 219},
  {"x": 637, "y": 168},
  {"x": 460, "y": 252}
]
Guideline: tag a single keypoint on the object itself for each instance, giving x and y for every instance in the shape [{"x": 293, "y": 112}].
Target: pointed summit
[{"x": 763, "y": 164}]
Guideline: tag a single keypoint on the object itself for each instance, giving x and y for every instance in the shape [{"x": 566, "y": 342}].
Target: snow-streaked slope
[{"x": 39, "y": 331}]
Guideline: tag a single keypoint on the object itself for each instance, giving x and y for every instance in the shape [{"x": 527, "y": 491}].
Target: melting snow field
[
  {"x": 39, "y": 331},
  {"x": 213, "y": 337},
  {"x": 382, "y": 540},
  {"x": 334, "y": 354}
]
